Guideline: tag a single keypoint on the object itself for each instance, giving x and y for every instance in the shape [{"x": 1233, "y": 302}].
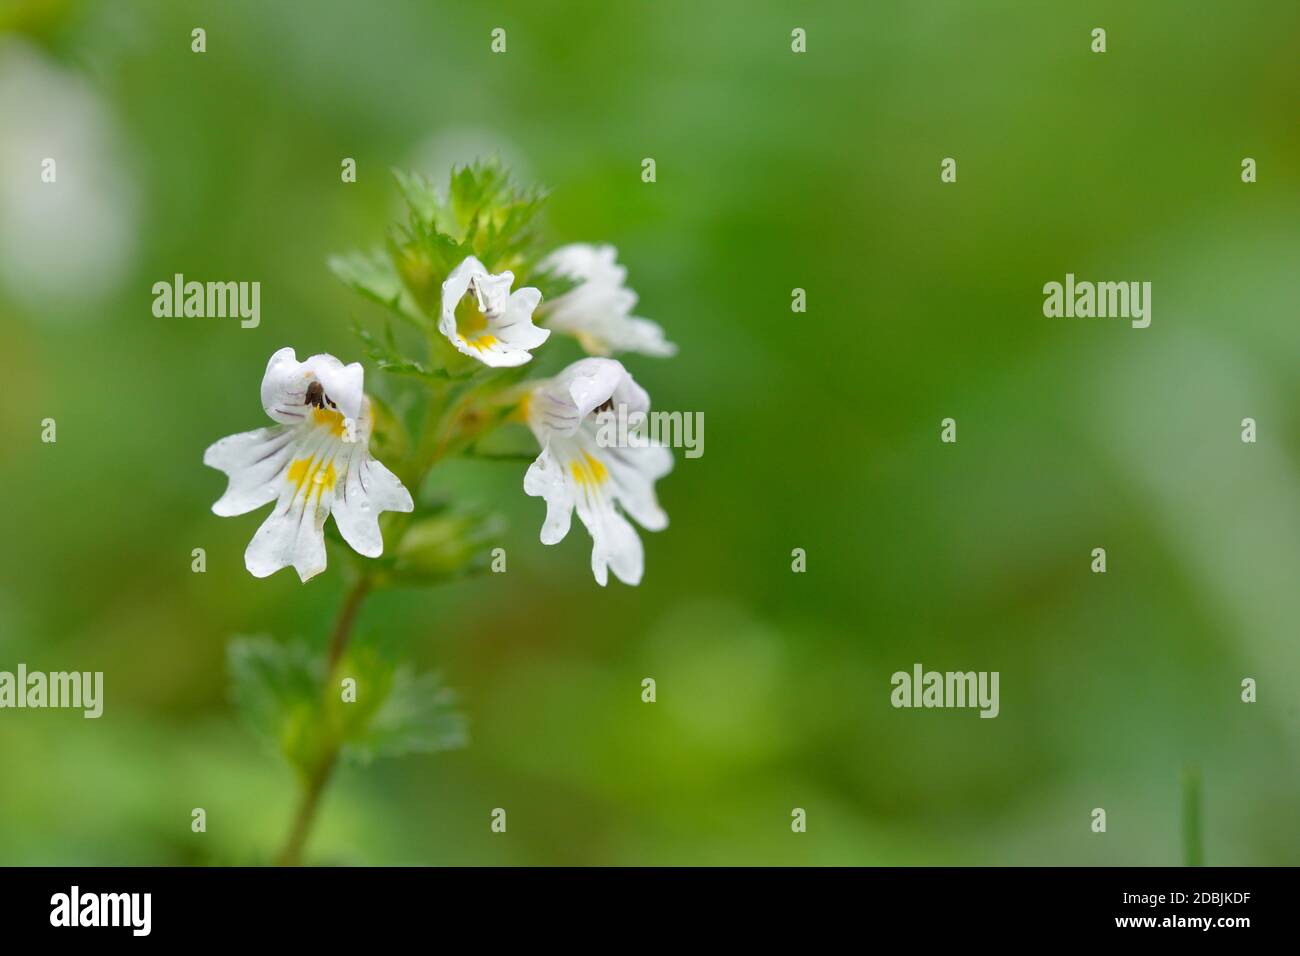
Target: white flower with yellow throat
[
  {"x": 604, "y": 484},
  {"x": 315, "y": 462}
]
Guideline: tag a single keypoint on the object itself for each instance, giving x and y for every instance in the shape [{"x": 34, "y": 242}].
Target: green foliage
[
  {"x": 495, "y": 218},
  {"x": 374, "y": 276},
  {"x": 422, "y": 200},
  {"x": 446, "y": 545},
  {"x": 389, "y": 439},
  {"x": 478, "y": 404},
  {"x": 387, "y": 356},
  {"x": 396, "y": 711},
  {"x": 483, "y": 214},
  {"x": 279, "y": 689},
  {"x": 423, "y": 257},
  {"x": 276, "y": 688}
]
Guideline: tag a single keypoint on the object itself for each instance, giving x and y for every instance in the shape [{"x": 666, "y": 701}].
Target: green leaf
[
  {"x": 476, "y": 187},
  {"x": 387, "y": 359},
  {"x": 374, "y": 276},
  {"x": 397, "y": 712},
  {"x": 484, "y": 215},
  {"x": 417, "y": 716},
  {"x": 421, "y": 199},
  {"x": 493, "y": 216},
  {"x": 423, "y": 258},
  {"x": 276, "y": 688},
  {"x": 447, "y": 545}
]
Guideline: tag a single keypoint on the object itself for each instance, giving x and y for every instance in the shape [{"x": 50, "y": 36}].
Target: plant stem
[
  {"x": 291, "y": 855},
  {"x": 343, "y": 626},
  {"x": 426, "y": 450},
  {"x": 315, "y": 784}
]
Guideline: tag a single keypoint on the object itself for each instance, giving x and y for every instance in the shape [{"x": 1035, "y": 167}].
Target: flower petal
[
  {"x": 516, "y": 324},
  {"x": 598, "y": 310},
  {"x": 546, "y": 479},
  {"x": 634, "y": 472},
  {"x": 496, "y": 354},
  {"x": 454, "y": 288},
  {"x": 292, "y": 535},
  {"x": 285, "y": 384},
  {"x": 614, "y": 542},
  {"x": 592, "y": 382},
  {"x": 252, "y": 460},
  {"x": 344, "y": 384},
  {"x": 368, "y": 490},
  {"x": 634, "y": 334},
  {"x": 507, "y": 333}
]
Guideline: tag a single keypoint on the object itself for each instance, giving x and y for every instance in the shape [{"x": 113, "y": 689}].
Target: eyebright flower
[
  {"x": 597, "y": 311},
  {"x": 316, "y": 462},
  {"x": 573, "y": 470},
  {"x": 485, "y": 320}
]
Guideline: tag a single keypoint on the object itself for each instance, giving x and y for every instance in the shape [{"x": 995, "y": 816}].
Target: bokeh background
[{"x": 775, "y": 171}]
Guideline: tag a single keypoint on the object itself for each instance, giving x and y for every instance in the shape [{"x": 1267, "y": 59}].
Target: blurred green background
[{"x": 775, "y": 171}]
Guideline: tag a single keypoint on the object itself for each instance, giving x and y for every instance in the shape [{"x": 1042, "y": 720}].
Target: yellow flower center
[
  {"x": 588, "y": 470},
  {"x": 329, "y": 418},
  {"x": 472, "y": 321},
  {"x": 307, "y": 476}
]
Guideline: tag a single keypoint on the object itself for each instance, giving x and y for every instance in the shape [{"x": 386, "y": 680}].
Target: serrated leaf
[
  {"x": 495, "y": 218},
  {"x": 506, "y": 234},
  {"x": 279, "y": 690},
  {"x": 423, "y": 258},
  {"x": 374, "y": 276},
  {"x": 387, "y": 359},
  {"x": 418, "y": 715},
  {"x": 474, "y": 187},
  {"x": 421, "y": 199},
  {"x": 276, "y": 688},
  {"x": 394, "y": 712}
]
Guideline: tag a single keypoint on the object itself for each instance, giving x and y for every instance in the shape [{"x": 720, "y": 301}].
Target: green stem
[
  {"x": 428, "y": 448},
  {"x": 291, "y": 855},
  {"x": 315, "y": 784},
  {"x": 343, "y": 626}
]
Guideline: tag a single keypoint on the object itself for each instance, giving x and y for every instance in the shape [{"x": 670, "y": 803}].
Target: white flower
[
  {"x": 485, "y": 320},
  {"x": 597, "y": 311},
  {"x": 573, "y": 470},
  {"x": 316, "y": 462}
]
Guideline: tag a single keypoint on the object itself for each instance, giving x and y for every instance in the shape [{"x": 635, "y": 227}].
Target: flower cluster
[{"x": 438, "y": 276}]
